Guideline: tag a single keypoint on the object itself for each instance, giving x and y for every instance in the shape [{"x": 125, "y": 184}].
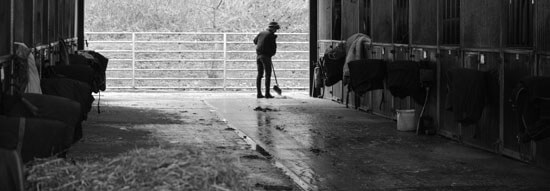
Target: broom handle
[{"x": 274, "y": 75}]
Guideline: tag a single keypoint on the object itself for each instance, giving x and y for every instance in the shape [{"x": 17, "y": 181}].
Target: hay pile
[{"x": 149, "y": 169}]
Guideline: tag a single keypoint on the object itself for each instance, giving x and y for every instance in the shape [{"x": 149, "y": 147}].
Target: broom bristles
[{"x": 277, "y": 89}]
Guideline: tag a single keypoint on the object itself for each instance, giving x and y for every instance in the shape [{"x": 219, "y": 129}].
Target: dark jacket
[{"x": 265, "y": 43}]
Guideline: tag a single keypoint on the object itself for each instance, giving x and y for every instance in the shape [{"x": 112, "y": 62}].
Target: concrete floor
[
  {"x": 131, "y": 121},
  {"x": 319, "y": 144}
]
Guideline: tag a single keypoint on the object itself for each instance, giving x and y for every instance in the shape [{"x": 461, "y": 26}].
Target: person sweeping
[{"x": 266, "y": 47}]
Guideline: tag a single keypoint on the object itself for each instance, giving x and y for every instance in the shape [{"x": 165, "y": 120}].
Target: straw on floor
[{"x": 150, "y": 169}]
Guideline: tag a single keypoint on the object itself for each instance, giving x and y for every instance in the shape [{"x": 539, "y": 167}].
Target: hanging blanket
[
  {"x": 35, "y": 138},
  {"x": 11, "y": 170},
  {"x": 52, "y": 108},
  {"x": 356, "y": 49},
  {"x": 367, "y": 75},
  {"x": 467, "y": 94},
  {"x": 404, "y": 80}
]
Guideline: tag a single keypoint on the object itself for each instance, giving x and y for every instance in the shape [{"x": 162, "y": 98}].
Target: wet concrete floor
[
  {"x": 136, "y": 120},
  {"x": 324, "y": 146}
]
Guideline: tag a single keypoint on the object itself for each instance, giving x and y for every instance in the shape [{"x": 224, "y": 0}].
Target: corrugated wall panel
[
  {"x": 28, "y": 34},
  {"x": 72, "y": 18},
  {"x": 45, "y": 21},
  {"x": 449, "y": 60},
  {"x": 516, "y": 67},
  {"x": 19, "y": 21},
  {"x": 382, "y": 21},
  {"x": 350, "y": 18},
  {"x": 401, "y": 21},
  {"x": 52, "y": 20},
  {"x": 424, "y": 23},
  {"x": 518, "y": 25},
  {"x": 485, "y": 133},
  {"x": 543, "y": 25},
  {"x": 63, "y": 19},
  {"x": 480, "y": 24},
  {"x": 324, "y": 33},
  {"x": 5, "y": 30},
  {"x": 431, "y": 105},
  {"x": 543, "y": 153},
  {"x": 37, "y": 28},
  {"x": 365, "y": 15},
  {"x": 59, "y": 19}
]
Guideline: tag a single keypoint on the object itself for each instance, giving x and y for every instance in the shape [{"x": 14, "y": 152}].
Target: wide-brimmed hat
[{"x": 274, "y": 25}]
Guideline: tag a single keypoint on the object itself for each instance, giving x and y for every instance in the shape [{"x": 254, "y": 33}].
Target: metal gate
[{"x": 197, "y": 61}]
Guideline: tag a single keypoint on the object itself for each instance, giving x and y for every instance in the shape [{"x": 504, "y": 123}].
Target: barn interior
[{"x": 384, "y": 95}]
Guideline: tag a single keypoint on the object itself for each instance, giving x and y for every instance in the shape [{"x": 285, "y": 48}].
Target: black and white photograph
[{"x": 274, "y": 95}]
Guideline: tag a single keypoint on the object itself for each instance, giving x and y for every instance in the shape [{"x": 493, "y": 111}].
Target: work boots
[
  {"x": 267, "y": 85},
  {"x": 259, "y": 88}
]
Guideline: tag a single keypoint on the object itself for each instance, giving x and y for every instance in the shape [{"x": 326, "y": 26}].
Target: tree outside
[{"x": 194, "y": 15}]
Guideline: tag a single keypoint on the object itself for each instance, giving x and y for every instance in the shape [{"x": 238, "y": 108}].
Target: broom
[{"x": 276, "y": 86}]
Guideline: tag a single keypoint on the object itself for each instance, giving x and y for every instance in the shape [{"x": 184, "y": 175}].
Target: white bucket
[{"x": 406, "y": 120}]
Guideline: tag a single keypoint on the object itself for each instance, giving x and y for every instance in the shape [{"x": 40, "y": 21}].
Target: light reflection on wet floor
[{"x": 328, "y": 147}]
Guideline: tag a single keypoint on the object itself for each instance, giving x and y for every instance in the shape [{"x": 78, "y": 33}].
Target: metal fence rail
[{"x": 198, "y": 61}]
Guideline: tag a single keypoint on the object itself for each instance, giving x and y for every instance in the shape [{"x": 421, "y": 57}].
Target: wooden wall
[
  {"x": 542, "y": 156},
  {"x": 40, "y": 24},
  {"x": 483, "y": 46},
  {"x": 424, "y": 23},
  {"x": 382, "y": 21},
  {"x": 542, "y": 22},
  {"x": 480, "y": 23},
  {"x": 350, "y": 18},
  {"x": 5, "y": 31}
]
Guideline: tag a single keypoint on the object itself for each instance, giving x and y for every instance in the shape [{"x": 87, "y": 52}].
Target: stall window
[
  {"x": 45, "y": 21},
  {"x": 450, "y": 33},
  {"x": 5, "y": 31},
  {"x": 52, "y": 21},
  {"x": 401, "y": 21},
  {"x": 520, "y": 23},
  {"x": 365, "y": 27},
  {"x": 37, "y": 29},
  {"x": 29, "y": 11},
  {"x": 337, "y": 20}
]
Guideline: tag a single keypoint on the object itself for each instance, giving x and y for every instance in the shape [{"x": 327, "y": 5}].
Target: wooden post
[
  {"x": 312, "y": 43},
  {"x": 501, "y": 79},
  {"x": 80, "y": 24},
  {"x": 12, "y": 31},
  {"x": 438, "y": 66}
]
